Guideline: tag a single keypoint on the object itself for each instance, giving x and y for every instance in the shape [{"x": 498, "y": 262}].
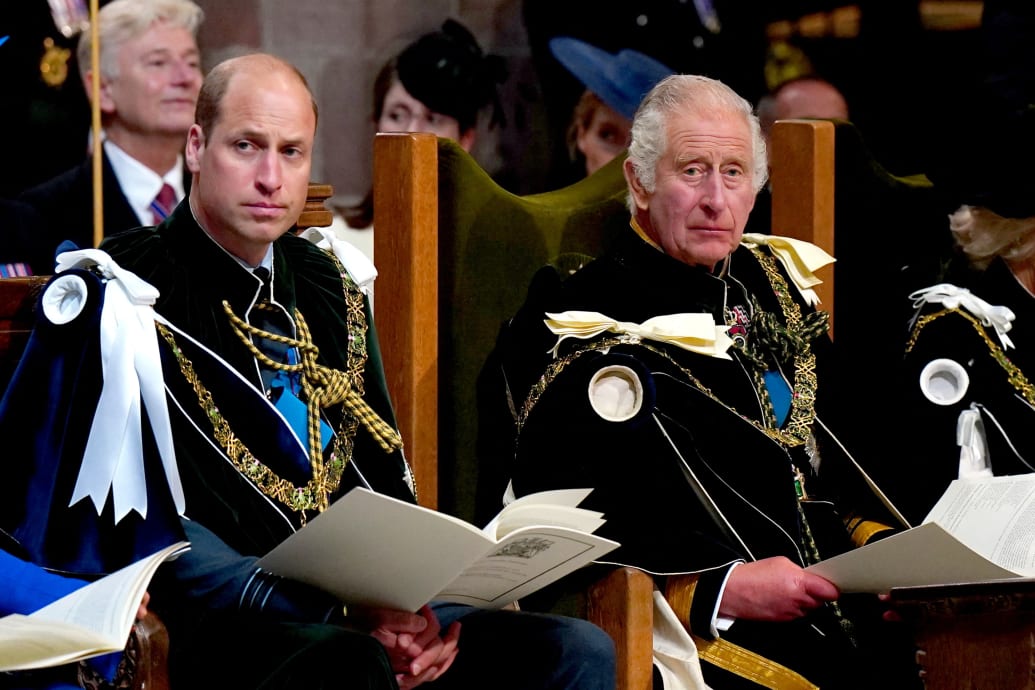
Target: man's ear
[
  {"x": 107, "y": 101},
  {"x": 636, "y": 189},
  {"x": 195, "y": 148}
]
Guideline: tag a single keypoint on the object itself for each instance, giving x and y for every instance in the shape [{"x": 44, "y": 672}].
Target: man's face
[
  {"x": 401, "y": 112},
  {"x": 703, "y": 192},
  {"x": 606, "y": 136},
  {"x": 158, "y": 82},
  {"x": 251, "y": 172}
]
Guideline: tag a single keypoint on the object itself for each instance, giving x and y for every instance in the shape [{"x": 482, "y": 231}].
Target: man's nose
[
  {"x": 268, "y": 176},
  {"x": 713, "y": 192},
  {"x": 185, "y": 73}
]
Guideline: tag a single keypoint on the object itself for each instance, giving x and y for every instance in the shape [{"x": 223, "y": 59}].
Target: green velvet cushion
[{"x": 491, "y": 244}]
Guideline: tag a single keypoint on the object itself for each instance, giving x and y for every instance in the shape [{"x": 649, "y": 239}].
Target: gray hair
[
  {"x": 681, "y": 93},
  {"x": 122, "y": 20},
  {"x": 983, "y": 235}
]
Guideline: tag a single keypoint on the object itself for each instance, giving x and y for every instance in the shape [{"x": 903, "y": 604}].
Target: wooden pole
[{"x": 95, "y": 112}]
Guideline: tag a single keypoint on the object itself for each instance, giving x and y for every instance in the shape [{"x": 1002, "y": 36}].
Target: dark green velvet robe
[
  {"x": 206, "y": 596},
  {"x": 194, "y": 276}
]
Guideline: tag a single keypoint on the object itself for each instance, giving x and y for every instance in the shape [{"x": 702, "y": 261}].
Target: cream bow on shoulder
[
  {"x": 799, "y": 257},
  {"x": 954, "y": 297},
  {"x": 132, "y": 371},
  {"x": 695, "y": 332}
]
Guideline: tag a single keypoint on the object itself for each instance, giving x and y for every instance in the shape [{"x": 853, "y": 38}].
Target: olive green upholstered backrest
[{"x": 452, "y": 243}]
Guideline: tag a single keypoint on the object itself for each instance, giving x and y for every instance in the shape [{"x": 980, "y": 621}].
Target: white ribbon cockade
[
  {"x": 360, "y": 268},
  {"x": 954, "y": 297},
  {"x": 694, "y": 332},
  {"x": 132, "y": 369},
  {"x": 799, "y": 257}
]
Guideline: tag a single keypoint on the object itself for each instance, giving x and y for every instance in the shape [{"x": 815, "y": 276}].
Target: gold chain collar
[
  {"x": 1014, "y": 375},
  {"x": 325, "y": 387},
  {"x": 803, "y": 402}
]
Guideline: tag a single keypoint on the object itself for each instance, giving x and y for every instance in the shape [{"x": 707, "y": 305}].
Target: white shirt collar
[{"x": 139, "y": 183}]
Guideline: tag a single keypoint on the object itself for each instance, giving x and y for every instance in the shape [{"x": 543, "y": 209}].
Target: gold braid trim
[
  {"x": 803, "y": 393},
  {"x": 558, "y": 365},
  {"x": 803, "y": 402},
  {"x": 312, "y": 496},
  {"x": 323, "y": 386},
  {"x": 861, "y": 530},
  {"x": 1014, "y": 375},
  {"x": 679, "y": 591}
]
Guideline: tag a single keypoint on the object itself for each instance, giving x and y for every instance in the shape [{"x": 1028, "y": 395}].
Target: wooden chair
[
  {"x": 972, "y": 636},
  {"x": 435, "y": 335},
  {"x": 18, "y": 297},
  {"x": 963, "y": 633},
  {"x": 434, "y": 339}
]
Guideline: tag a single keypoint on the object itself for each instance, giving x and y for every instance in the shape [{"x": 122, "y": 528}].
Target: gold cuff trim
[
  {"x": 679, "y": 590},
  {"x": 861, "y": 531},
  {"x": 754, "y": 667}
]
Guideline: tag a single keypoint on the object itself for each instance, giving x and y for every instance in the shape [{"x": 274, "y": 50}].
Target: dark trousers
[
  {"x": 511, "y": 650},
  {"x": 250, "y": 653}
]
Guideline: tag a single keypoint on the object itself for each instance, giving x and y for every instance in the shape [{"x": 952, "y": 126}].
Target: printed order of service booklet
[
  {"x": 980, "y": 530},
  {"x": 368, "y": 548},
  {"x": 95, "y": 619}
]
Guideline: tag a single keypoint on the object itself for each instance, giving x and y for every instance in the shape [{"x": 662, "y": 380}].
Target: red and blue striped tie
[{"x": 163, "y": 204}]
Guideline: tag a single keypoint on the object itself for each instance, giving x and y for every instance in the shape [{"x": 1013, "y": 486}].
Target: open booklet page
[
  {"x": 95, "y": 619},
  {"x": 558, "y": 508},
  {"x": 979, "y": 530},
  {"x": 372, "y": 549}
]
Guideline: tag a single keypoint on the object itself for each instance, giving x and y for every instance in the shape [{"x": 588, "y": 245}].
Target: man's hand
[
  {"x": 418, "y": 649},
  {"x": 774, "y": 589}
]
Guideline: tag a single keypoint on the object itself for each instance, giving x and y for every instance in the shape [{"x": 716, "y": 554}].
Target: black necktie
[{"x": 272, "y": 320}]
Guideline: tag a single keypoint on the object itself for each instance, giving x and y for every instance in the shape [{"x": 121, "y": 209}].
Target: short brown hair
[{"x": 213, "y": 89}]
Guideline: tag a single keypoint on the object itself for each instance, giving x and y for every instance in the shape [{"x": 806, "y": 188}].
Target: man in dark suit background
[{"x": 150, "y": 74}]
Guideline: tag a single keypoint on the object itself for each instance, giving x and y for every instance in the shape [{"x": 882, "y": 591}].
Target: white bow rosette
[
  {"x": 132, "y": 372},
  {"x": 954, "y": 297},
  {"x": 799, "y": 258},
  {"x": 694, "y": 332}
]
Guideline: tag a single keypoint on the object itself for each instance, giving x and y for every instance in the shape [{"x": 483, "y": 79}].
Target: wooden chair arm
[
  {"x": 622, "y": 604},
  {"x": 152, "y": 670}
]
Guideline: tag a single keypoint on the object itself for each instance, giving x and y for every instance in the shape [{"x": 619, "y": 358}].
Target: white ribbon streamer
[
  {"x": 675, "y": 654},
  {"x": 799, "y": 258},
  {"x": 132, "y": 370},
  {"x": 355, "y": 261},
  {"x": 954, "y": 297},
  {"x": 695, "y": 332}
]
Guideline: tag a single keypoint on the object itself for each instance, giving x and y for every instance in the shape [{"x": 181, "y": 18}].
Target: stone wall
[{"x": 340, "y": 44}]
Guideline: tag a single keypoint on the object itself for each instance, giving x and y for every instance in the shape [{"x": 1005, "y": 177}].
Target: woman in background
[{"x": 441, "y": 83}]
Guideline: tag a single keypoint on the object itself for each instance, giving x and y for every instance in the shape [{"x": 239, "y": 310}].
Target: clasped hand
[{"x": 417, "y": 647}]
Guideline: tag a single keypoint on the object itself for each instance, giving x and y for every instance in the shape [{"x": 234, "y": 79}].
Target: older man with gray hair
[
  {"x": 679, "y": 376},
  {"x": 150, "y": 75}
]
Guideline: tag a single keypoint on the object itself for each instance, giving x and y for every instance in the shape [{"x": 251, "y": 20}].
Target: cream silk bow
[
  {"x": 695, "y": 332},
  {"x": 800, "y": 258},
  {"x": 132, "y": 370},
  {"x": 953, "y": 297}
]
